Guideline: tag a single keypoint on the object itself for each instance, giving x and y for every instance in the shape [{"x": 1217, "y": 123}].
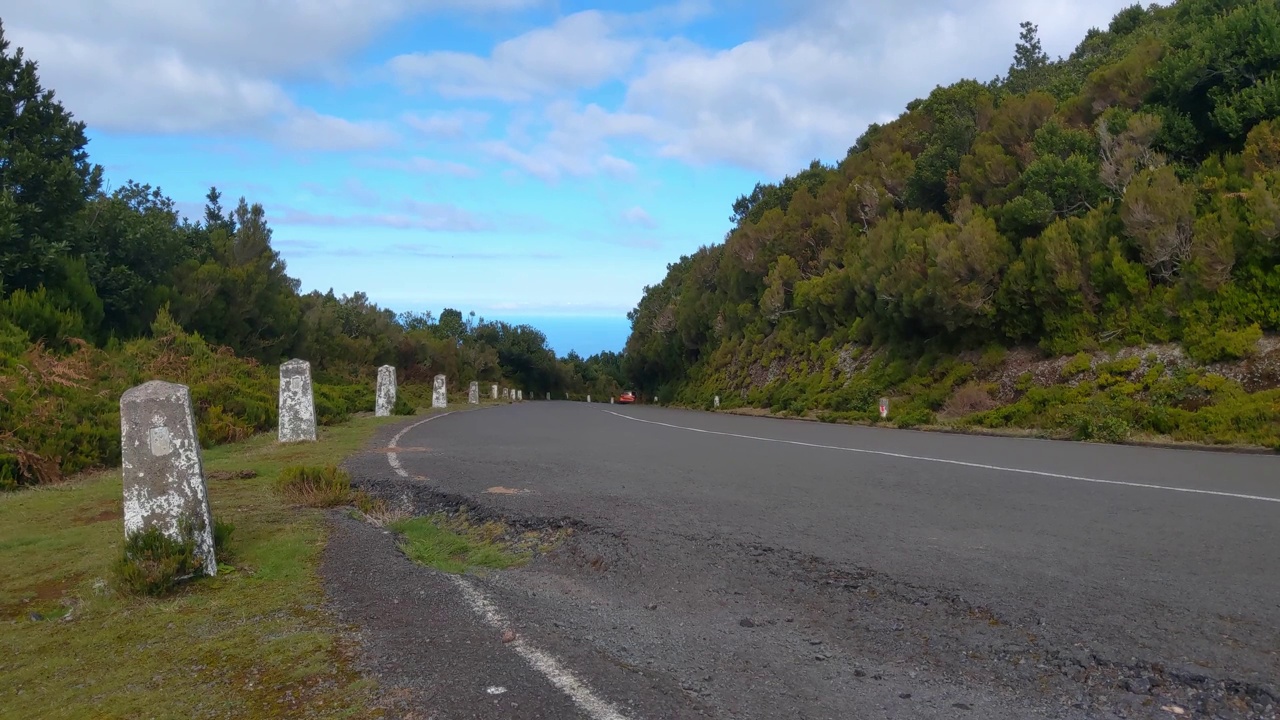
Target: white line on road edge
[
  {"x": 570, "y": 684},
  {"x": 886, "y": 453},
  {"x": 392, "y": 458},
  {"x": 544, "y": 663}
]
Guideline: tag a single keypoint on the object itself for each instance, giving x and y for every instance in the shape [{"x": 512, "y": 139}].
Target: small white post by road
[
  {"x": 884, "y": 407},
  {"x": 297, "y": 411},
  {"x": 493, "y": 392},
  {"x": 520, "y": 395},
  {"x": 385, "y": 394},
  {"x": 548, "y": 396},
  {"x": 716, "y": 402},
  {"x": 162, "y": 466},
  {"x": 610, "y": 399},
  {"x": 588, "y": 398},
  {"x": 440, "y": 393},
  {"x": 473, "y": 394}
]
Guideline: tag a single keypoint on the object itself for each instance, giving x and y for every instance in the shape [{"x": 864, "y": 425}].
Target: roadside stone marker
[
  {"x": 439, "y": 393},
  {"x": 493, "y": 392},
  {"x": 386, "y": 392},
  {"x": 162, "y": 466},
  {"x": 884, "y": 407},
  {"x": 588, "y": 398},
  {"x": 297, "y": 403},
  {"x": 473, "y": 395},
  {"x": 716, "y": 402},
  {"x": 548, "y": 396},
  {"x": 520, "y": 395},
  {"x": 611, "y": 400}
]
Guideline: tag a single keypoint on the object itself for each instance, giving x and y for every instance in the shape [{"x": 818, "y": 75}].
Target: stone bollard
[
  {"x": 386, "y": 392},
  {"x": 716, "y": 402},
  {"x": 520, "y": 396},
  {"x": 162, "y": 466},
  {"x": 439, "y": 393},
  {"x": 548, "y": 396},
  {"x": 297, "y": 422},
  {"x": 473, "y": 395},
  {"x": 588, "y": 398},
  {"x": 611, "y": 400},
  {"x": 493, "y": 392}
]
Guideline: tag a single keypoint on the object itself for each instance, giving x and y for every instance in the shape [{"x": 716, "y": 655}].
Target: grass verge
[
  {"x": 251, "y": 642},
  {"x": 457, "y": 544}
]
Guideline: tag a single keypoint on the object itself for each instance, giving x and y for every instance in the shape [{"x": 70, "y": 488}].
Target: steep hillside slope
[{"x": 1123, "y": 203}]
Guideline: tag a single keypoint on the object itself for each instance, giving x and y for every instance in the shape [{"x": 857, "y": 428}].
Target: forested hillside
[
  {"x": 1086, "y": 244},
  {"x": 102, "y": 288}
]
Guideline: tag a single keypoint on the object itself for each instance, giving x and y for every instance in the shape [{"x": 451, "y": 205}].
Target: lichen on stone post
[
  {"x": 473, "y": 395},
  {"x": 439, "y": 393},
  {"x": 716, "y": 402},
  {"x": 297, "y": 403},
  {"x": 385, "y": 392},
  {"x": 162, "y": 467}
]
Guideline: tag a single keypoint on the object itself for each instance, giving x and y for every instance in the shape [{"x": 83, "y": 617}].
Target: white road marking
[
  {"x": 545, "y": 663},
  {"x": 922, "y": 458},
  {"x": 561, "y": 677},
  {"x": 392, "y": 458}
]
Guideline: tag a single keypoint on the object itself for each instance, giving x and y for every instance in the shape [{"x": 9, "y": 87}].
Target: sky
[{"x": 536, "y": 161}]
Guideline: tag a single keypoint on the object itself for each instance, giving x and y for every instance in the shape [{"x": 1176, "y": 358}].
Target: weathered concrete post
[
  {"x": 439, "y": 393},
  {"x": 386, "y": 392},
  {"x": 297, "y": 403},
  {"x": 548, "y": 396},
  {"x": 162, "y": 466},
  {"x": 520, "y": 395},
  {"x": 588, "y": 398},
  {"x": 493, "y": 392},
  {"x": 473, "y": 395},
  {"x": 716, "y": 402},
  {"x": 610, "y": 399}
]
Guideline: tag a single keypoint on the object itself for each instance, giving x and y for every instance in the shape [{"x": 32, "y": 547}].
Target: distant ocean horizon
[{"x": 583, "y": 334}]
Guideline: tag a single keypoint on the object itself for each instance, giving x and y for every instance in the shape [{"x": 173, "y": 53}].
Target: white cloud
[
  {"x": 426, "y": 166},
  {"x": 804, "y": 91},
  {"x": 157, "y": 66},
  {"x": 579, "y": 51},
  {"x": 638, "y": 216},
  {"x": 408, "y": 215},
  {"x": 448, "y": 125}
]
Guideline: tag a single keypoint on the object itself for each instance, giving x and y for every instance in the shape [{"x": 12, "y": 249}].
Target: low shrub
[
  {"x": 327, "y": 486},
  {"x": 154, "y": 564}
]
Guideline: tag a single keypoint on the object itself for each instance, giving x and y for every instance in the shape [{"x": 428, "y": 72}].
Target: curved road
[{"x": 753, "y": 568}]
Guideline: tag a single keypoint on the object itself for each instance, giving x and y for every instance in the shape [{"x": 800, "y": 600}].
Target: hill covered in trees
[
  {"x": 101, "y": 290},
  {"x": 1087, "y": 244}
]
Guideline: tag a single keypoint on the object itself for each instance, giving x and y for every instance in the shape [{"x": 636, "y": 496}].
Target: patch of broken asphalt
[{"x": 698, "y": 624}]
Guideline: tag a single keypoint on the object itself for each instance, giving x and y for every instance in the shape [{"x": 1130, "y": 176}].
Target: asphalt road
[{"x": 735, "y": 567}]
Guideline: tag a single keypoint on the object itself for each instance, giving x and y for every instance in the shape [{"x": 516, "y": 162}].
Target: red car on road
[{"x": 626, "y": 397}]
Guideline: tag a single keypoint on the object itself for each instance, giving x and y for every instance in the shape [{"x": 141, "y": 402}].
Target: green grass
[
  {"x": 249, "y": 643},
  {"x": 455, "y": 546}
]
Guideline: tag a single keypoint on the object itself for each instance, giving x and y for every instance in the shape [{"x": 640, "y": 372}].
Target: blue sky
[{"x": 534, "y": 160}]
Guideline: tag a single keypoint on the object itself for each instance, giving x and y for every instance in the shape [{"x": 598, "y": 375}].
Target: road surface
[{"x": 735, "y": 567}]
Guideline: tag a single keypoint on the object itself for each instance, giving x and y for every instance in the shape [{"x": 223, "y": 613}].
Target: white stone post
[
  {"x": 473, "y": 395},
  {"x": 588, "y": 398},
  {"x": 162, "y": 466},
  {"x": 386, "y": 391},
  {"x": 297, "y": 421},
  {"x": 520, "y": 396},
  {"x": 716, "y": 402},
  {"x": 493, "y": 392},
  {"x": 439, "y": 393}
]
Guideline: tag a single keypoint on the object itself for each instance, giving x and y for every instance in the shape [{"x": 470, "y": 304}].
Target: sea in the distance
[{"x": 586, "y": 335}]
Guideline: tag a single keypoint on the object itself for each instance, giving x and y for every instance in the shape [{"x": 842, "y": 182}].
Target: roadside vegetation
[
  {"x": 252, "y": 642},
  {"x": 1114, "y": 215},
  {"x": 102, "y": 288}
]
